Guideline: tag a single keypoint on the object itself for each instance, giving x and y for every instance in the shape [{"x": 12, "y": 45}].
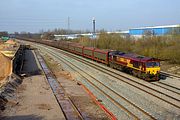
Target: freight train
[{"x": 146, "y": 68}]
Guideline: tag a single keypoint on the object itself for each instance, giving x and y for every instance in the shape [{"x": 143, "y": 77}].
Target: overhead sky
[{"x": 111, "y": 15}]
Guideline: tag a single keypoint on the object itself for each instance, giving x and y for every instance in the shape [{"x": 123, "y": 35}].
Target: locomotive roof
[
  {"x": 137, "y": 57},
  {"x": 132, "y": 56}
]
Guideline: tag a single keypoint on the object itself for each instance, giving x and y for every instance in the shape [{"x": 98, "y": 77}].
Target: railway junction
[{"x": 57, "y": 84}]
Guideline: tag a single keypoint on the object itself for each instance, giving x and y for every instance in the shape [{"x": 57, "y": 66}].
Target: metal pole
[
  {"x": 68, "y": 25},
  {"x": 94, "y": 26}
]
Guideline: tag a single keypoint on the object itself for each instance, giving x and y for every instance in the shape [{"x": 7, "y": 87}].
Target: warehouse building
[
  {"x": 74, "y": 36},
  {"x": 156, "y": 30},
  {"x": 134, "y": 32}
]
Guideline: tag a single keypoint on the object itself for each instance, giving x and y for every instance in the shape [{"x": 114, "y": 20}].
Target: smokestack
[{"x": 94, "y": 26}]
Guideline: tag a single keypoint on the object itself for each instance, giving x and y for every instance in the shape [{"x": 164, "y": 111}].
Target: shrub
[{"x": 162, "y": 47}]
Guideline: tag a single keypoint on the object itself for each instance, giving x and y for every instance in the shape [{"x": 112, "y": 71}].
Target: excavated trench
[{"x": 7, "y": 90}]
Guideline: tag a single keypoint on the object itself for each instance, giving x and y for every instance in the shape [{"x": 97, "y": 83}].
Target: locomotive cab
[{"x": 153, "y": 68}]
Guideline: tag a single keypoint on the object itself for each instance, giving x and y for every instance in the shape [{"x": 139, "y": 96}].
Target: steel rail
[
  {"x": 169, "y": 85},
  {"x": 169, "y": 75},
  {"x": 166, "y": 88}
]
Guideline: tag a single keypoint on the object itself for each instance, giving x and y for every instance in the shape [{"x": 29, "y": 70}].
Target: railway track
[
  {"x": 170, "y": 75},
  {"x": 167, "y": 87},
  {"x": 168, "y": 83},
  {"x": 116, "y": 75},
  {"x": 160, "y": 84},
  {"x": 134, "y": 86},
  {"x": 107, "y": 71},
  {"x": 109, "y": 89},
  {"x": 70, "y": 111}
]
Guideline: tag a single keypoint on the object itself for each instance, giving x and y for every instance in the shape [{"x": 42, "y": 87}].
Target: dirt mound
[
  {"x": 1, "y": 42},
  {"x": 12, "y": 42},
  {"x": 7, "y": 91}
]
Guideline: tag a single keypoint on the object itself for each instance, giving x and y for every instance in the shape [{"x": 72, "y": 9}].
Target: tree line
[{"x": 162, "y": 47}]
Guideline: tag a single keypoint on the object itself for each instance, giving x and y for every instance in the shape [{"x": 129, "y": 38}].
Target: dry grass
[
  {"x": 56, "y": 68},
  {"x": 162, "y": 47}
]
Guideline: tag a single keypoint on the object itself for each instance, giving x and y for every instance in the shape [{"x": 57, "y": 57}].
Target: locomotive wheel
[
  {"x": 134, "y": 73},
  {"x": 139, "y": 74},
  {"x": 147, "y": 79}
]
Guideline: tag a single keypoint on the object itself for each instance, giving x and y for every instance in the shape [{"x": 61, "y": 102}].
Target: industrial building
[
  {"x": 156, "y": 30},
  {"x": 134, "y": 32},
  {"x": 74, "y": 36}
]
